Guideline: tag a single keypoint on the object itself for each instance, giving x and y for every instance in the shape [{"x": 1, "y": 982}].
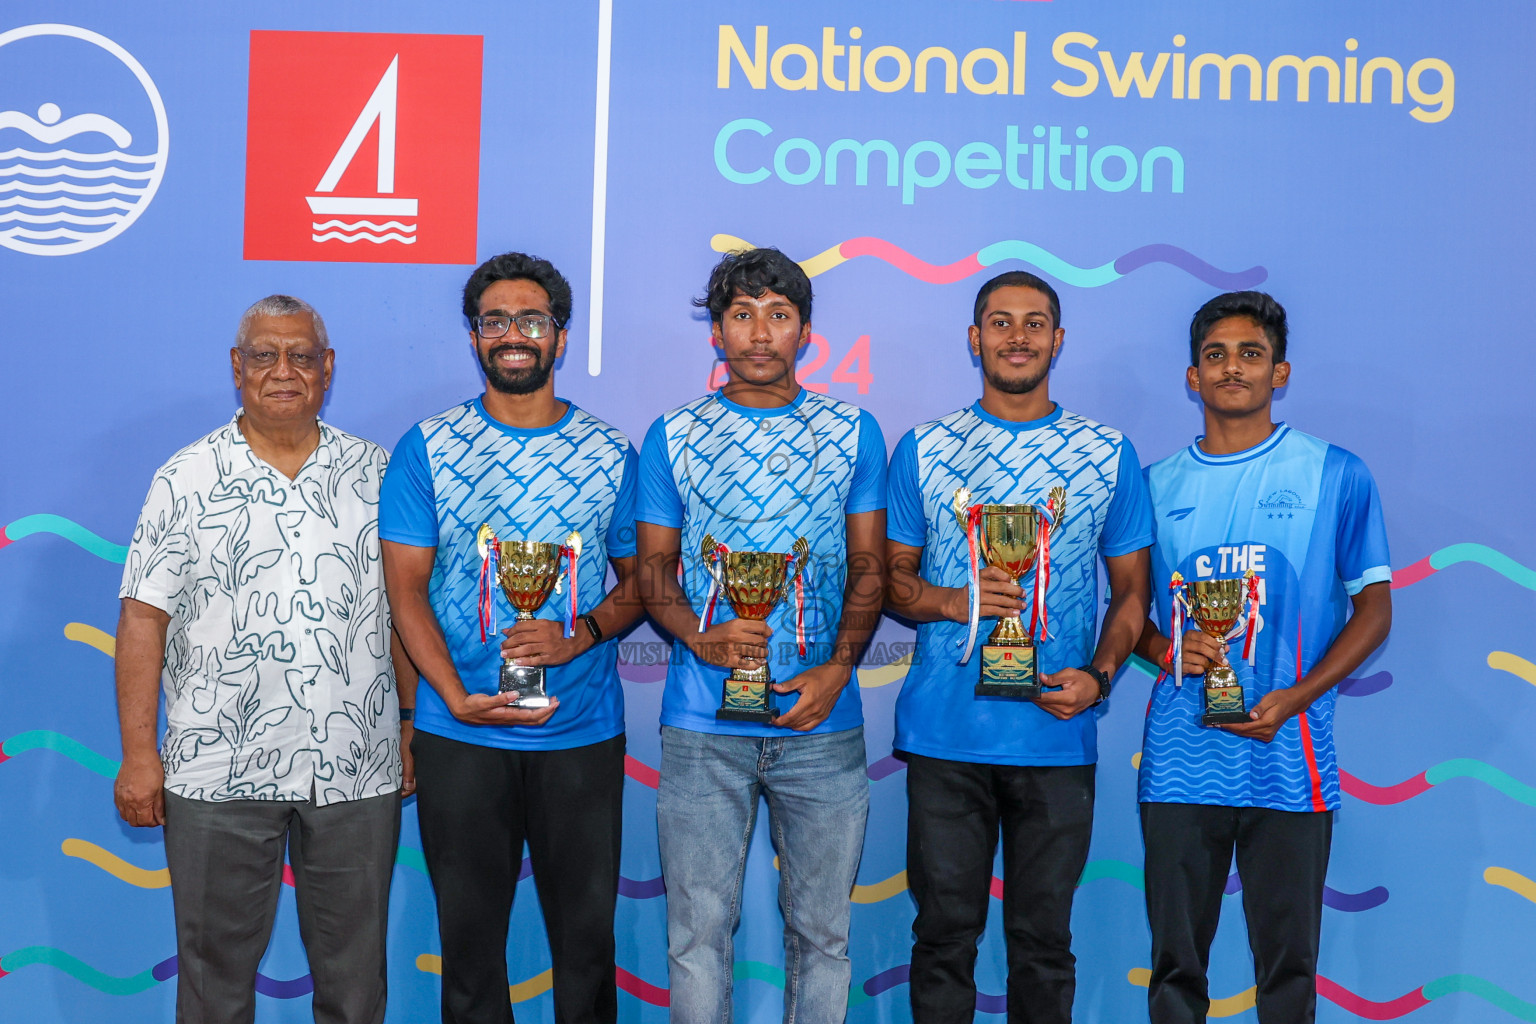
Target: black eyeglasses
[{"x": 529, "y": 325}]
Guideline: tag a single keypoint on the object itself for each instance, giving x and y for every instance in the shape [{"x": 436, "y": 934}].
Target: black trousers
[
  {"x": 955, "y": 810},
  {"x": 1282, "y": 859},
  {"x": 477, "y": 805}
]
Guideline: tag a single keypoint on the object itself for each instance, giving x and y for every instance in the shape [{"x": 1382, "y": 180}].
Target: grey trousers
[{"x": 226, "y": 864}]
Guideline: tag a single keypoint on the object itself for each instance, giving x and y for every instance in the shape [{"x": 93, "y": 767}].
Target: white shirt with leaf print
[{"x": 277, "y": 679}]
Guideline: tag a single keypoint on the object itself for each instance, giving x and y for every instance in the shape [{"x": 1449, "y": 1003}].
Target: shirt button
[
  {"x": 308, "y": 632},
  {"x": 295, "y": 533}
]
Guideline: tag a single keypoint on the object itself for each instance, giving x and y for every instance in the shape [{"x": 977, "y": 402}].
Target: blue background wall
[{"x": 1400, "y": 247}]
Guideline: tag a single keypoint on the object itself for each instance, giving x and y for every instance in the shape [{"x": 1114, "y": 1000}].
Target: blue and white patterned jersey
[
  {"x": 757, "y": 480},
  {"x": 461, "y": 468},
  {"x": 1008, "y": 463},
  {"x": 1306, "y": 518}
]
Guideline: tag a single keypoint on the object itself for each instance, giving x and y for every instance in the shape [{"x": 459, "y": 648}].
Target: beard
[
  {"x": 517, "y": 382},
  {"x": 1016, "y": 385}
]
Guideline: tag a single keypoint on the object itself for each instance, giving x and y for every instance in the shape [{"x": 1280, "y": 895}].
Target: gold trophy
[
  {"x": 1216, "y": 605},
  {"x": 528, "y": 572},
  {"x": 754, "y": 582},
  {"x": 1007, "y": 538}
]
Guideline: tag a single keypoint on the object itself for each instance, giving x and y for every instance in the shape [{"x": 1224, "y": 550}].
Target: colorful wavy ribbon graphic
[
  {"x": 1130, "y": 874},
  {"x": 1513, "y": 664},
  {"x": 1457, "y": 553},
  {"x": 884, "y": 675},
  {"x": 1511, "y": 880},
  {"x": 522, "y": 991},
  {"x": 113, "y": 985},
  {"x": 751, "y": 970},
  {"x": 100, "y": 639},
  {"x": 1457, "y": 768},
  {"x": 1370, "y": 1009},
  {"x": 70, "y": 530},
  {"x": 1015, "y": 249},
  {"x": 405, "y": 856},
  {"x": 47, "y": 739},
  {"x": 1462, "y": 767},
  {"x": 650, "y": 888}
]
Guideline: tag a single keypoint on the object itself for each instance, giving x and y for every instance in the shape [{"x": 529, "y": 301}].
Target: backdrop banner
[{"x": 164, "y": 165}]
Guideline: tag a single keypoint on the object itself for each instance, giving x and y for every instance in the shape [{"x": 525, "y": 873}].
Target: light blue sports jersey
[
  {"x": 757, "y": 480},
  {"x": 461, "y": 468},
  {"x": 1007, "y": 463},
  {"x": 1306, "y": 518}
]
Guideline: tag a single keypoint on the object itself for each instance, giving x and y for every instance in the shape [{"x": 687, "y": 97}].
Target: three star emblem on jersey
[{"x": 362, "y": 147}]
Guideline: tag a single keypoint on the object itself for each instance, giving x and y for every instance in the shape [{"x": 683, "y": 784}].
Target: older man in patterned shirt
[{"x": 253, "y": 588}]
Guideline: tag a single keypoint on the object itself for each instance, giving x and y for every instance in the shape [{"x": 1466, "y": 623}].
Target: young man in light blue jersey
[
  {"x": 1304, "y": 516},
  {"x": 978, "y": 766},
  {"x": 757, "y": 466},
  {"x": 490, "y": 775}
]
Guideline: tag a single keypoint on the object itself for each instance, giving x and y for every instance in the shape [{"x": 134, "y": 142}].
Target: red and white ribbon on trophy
[
  {"x": 1047, "y": 523},
  {"x": 972, "y": 524},
  {"x": 1179, "y": 616},
  {"x": 490, "y": 552},
  {"x": 571, "y": 549},
  {"x": 1250, "y": 628},
  {"x": 707, "y": 616},
  {"x": 805, "y": 567}
]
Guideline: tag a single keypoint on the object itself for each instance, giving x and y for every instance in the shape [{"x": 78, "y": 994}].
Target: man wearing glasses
[
  {"x": 491, "y": 775},
  {"x": 252, "y": 588}
]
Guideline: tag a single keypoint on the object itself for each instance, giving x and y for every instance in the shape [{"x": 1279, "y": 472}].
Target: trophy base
[
  {"x": 1009, "y": 691},
  {"x": 747, "y": 700},
  {"x": 528, "y": 681},
  {"x": 743, "y": 715},
  {"x": 1008, "y": 671},
  {"x": 1224, "y": 705}
]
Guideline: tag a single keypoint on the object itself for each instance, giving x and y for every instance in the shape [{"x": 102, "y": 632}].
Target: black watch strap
[
  {"x": 1103, "y": 681},
  {"x": 593, "y": 628}
]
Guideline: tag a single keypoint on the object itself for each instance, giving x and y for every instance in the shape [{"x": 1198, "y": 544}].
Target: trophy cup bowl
[
  {"x": 1216, "y": 605},
  {"x": 527, "y": 571},
  {"x": 754, "y": 582},
  {"x": 1008, "y": 539}
]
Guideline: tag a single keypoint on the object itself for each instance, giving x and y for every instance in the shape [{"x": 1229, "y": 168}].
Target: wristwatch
[
  {"x": 593, "y": 628},
  {"x": 1103, "y": 681}
]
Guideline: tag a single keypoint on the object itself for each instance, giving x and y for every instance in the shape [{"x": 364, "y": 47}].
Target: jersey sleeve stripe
[{"x": 1375, "y": 574}]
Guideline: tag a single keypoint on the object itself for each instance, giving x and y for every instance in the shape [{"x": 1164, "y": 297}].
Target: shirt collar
[
  {"x": 232, "y": 444},
  {"x": 1017, "y": 425}
]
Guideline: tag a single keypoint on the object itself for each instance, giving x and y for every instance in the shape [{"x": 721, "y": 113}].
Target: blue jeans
[{"x": 706, "y": 807}]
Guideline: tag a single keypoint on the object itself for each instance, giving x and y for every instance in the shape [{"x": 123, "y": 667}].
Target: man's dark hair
[
  {"x": 752, "y": 272},
  {"x": 1017, "y": 279},
  {"x": 1256, "y": 306},
  {"x": 517, "y": 266}
]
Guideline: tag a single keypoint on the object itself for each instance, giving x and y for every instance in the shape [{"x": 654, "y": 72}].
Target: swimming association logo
[
  {"x": 82, "y": 148},
  {"x": 362, "y": 147},
  {"x": 1282, "y": 504}
]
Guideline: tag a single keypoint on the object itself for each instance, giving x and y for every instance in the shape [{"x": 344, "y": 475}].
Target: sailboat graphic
[
  {"x": 401, "y": 225},
  {"x": 67, "y": 196}
]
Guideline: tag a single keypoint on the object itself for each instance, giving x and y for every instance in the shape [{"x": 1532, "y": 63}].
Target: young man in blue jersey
[
  {"x": 490, "y": 775},
  {"x": 1304, "y": 516},
  {"x": 757, "y": 466},
  {"x": 978, "y": 766}
]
